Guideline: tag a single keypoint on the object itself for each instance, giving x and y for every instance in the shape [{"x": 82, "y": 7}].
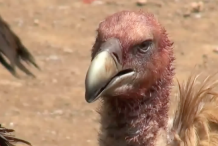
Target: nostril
[{"x": 116, "y": 56}]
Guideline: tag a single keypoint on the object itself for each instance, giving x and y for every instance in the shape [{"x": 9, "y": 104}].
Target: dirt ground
[{"x": 51, "y": 110}]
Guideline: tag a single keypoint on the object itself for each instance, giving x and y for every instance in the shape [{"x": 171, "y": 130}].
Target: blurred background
[{"x": 51, "y": 110}]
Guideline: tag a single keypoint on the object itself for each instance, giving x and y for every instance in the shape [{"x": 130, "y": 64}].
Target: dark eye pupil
[{"x": 145, "y": 44}]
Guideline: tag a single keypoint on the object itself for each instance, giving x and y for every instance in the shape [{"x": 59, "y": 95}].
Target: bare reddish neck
[{"x": 135, "y": 122}]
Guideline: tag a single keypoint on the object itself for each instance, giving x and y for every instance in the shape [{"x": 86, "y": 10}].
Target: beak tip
[{"x": 88, "y": 98}]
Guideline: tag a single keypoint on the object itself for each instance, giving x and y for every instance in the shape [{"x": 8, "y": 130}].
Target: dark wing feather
[
  {"x": 13, "y": 49},
  {"x": 6, "y": 139}
]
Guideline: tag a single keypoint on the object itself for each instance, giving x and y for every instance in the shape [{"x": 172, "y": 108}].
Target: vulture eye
[{"x": 144, "y": 46}]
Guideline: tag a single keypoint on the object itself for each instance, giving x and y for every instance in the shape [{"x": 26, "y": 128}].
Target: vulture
[
  {"x": 132, "y": 72},
  {"x": 13, "y": 49}
]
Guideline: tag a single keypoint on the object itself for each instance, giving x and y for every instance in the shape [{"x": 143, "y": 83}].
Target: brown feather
[
  {"x": 6, "y": 139},
  {"x": 196, "y": 118},
  {"x": 12, "y": 48}
]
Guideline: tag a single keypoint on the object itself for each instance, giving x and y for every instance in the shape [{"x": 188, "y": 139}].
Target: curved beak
[{"x": 103, "y": 72}]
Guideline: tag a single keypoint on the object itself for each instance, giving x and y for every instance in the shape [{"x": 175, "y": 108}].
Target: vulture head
[{"x": 131, "y": 58}]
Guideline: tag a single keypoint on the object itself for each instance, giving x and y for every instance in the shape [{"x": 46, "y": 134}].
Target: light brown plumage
[{"x": 195, "y": 121}]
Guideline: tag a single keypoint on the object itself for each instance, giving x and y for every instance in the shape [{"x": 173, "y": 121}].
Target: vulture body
[
  {"x": 13, "y": 49},
  {"x": 132, "y": 72}
]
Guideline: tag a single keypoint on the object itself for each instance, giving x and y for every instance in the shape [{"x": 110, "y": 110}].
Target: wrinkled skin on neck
[{"x": 137, "y": 121}]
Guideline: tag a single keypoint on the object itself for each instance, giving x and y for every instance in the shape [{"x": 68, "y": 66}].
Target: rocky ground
[{"x": 50, "y": 110}]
